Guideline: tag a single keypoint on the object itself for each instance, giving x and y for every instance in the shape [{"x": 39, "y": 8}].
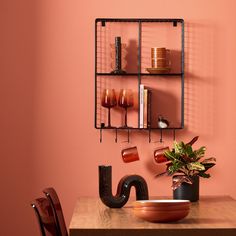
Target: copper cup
[
  {"x": 158, "y": 52},
  {"x": 130, "y": 154},
  {"x": 159, "y": 156},
  {"x": 159, "y": 63}
]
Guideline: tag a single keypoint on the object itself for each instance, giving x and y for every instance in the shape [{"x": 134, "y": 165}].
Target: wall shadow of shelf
[{"x": 138, "y": 36}]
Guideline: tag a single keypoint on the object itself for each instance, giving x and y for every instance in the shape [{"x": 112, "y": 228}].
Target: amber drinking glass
[
  {"x": 126, "y": 100},
  {"x": 109, "y": 101}
]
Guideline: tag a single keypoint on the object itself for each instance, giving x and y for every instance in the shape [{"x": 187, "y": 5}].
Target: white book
[
  {"x": 141, "y": 102},
  {"x": 145, "y": 108}
]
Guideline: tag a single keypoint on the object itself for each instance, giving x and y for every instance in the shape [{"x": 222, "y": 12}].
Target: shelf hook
[
  {"x": 101, "y": 135},
  {"x": 161, "y": 140},
  {"x": 128, "y": 135},
  {"x": 149, "y": 136},
  {"x": 174, "y": 135},
  {"x": 116, "y": 136}
]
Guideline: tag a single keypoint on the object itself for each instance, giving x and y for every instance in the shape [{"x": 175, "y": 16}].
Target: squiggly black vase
[{"x": 123, "y": 188}]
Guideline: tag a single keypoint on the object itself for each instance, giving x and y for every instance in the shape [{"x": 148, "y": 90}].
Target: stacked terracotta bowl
[
  {"x": 160, "y": 60},
  {"x": 161, "y": 210}
]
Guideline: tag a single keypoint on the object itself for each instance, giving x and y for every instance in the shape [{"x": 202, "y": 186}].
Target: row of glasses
[{"x": 125, "y": 101}]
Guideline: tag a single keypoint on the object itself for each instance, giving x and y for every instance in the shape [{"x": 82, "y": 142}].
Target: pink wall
[{"x": 47, "y": 94}]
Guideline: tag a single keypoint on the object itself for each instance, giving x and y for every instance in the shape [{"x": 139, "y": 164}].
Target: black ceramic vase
[
  {"x": 188, "y": 191},
  {"x": 123, "y": 188}
]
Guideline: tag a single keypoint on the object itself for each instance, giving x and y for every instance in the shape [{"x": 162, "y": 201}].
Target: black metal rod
[
  {"x": 139, "y": 66},
  {"x": 149, "y": 136},
  {"x": 137, "y": 74},
  {"x": 132, "y": 128},
  {"x": 100, "y": 135},
  {"x": 95, "y": 107},
  {"x": 139, "y": 19},
  {"x": 182, "y": 76},
  {"x": 116, "y": 136},
  {"x": 161, "y": 140}
]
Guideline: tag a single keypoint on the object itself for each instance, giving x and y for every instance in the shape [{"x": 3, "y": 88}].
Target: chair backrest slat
[
  {"x": 57, "y": 210},
  {"x": 44, "y": 213}
]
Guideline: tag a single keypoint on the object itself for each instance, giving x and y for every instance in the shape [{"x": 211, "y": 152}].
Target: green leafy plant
[{"x": 185, "y": 162}]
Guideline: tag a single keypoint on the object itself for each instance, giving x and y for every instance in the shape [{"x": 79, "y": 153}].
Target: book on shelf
[
  {"x": 141, "y": 93},
  {"x": 145, "y": 103},
  {"x": 145, "y": 107},
  {"x": 149, "y": 113}
]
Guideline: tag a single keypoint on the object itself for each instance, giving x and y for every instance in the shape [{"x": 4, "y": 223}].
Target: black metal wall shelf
[{"x": 100, "y": 23}]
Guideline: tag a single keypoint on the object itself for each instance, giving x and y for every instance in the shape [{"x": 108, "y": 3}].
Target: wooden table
[{"x": 214, "y": 216}]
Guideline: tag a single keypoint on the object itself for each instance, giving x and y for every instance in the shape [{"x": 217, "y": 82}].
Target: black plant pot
[{"x": 188, "y": 191}]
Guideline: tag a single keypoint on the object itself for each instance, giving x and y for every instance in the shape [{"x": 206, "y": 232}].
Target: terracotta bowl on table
[{"x": 161, "y": 210}]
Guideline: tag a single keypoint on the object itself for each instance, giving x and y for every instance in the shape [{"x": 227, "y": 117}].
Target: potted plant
[{"x": 186, "y": 165}]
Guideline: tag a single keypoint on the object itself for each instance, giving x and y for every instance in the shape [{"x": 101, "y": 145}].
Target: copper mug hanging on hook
[
  {"x": 130, "y": 154},
  {"x": 159, "y": 154}
]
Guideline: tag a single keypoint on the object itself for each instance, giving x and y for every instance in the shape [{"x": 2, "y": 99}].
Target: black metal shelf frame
[{"x": 139, "y": 74}]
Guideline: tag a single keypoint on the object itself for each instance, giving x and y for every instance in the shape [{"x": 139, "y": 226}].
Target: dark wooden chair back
[
  {"x": 57, "y": 210},
  {"x": 44, "y": 214}
]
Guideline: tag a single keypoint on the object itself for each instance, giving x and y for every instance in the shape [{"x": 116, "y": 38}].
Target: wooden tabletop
[{"x": 210, "y": 216}]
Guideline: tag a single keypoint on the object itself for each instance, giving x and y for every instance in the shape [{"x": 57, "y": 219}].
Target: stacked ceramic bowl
[{"x": 161, "y": 210}]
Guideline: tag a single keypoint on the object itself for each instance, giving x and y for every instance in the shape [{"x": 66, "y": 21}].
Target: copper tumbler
[
  {"x": 130, "y": 154},
  {"x": 159, "y": 155},
  {"x": 158, "y": 52},
  {"x": 159, "y": 62}
]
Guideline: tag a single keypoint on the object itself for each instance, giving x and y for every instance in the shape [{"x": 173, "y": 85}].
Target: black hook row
[{"x": 128, "y": 135}]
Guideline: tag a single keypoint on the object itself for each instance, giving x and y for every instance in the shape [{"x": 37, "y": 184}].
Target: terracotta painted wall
[{"x": 47, "y": 94}]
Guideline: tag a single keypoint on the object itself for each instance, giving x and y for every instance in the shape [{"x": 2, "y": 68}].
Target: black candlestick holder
[{"x": 118, "y": 57}]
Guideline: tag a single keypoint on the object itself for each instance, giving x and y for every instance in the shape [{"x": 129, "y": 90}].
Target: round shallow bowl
[
  {"x": 158, "y": 216},
  {"x": 161, "y": 210},
  {"x": 161, "y": 203}
]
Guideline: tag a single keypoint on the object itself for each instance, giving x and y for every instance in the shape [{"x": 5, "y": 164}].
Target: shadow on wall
[
  {"x": 175, "y": 61},
  {"x": 132, "y": 57},
  {"x": 17, "y": 87},
  {"x": 164, "y": 104},
  {"x": 201, "y": 77}
]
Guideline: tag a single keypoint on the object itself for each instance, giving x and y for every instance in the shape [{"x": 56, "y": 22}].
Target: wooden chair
[
  {"x": 44, "y": 214},
  {"x": 57, "y": 210}
]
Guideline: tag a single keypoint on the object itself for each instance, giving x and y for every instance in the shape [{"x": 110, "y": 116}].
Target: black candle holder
[
  {"x": 118, "y": 57},
  {"x": 123, "y": 188}
]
